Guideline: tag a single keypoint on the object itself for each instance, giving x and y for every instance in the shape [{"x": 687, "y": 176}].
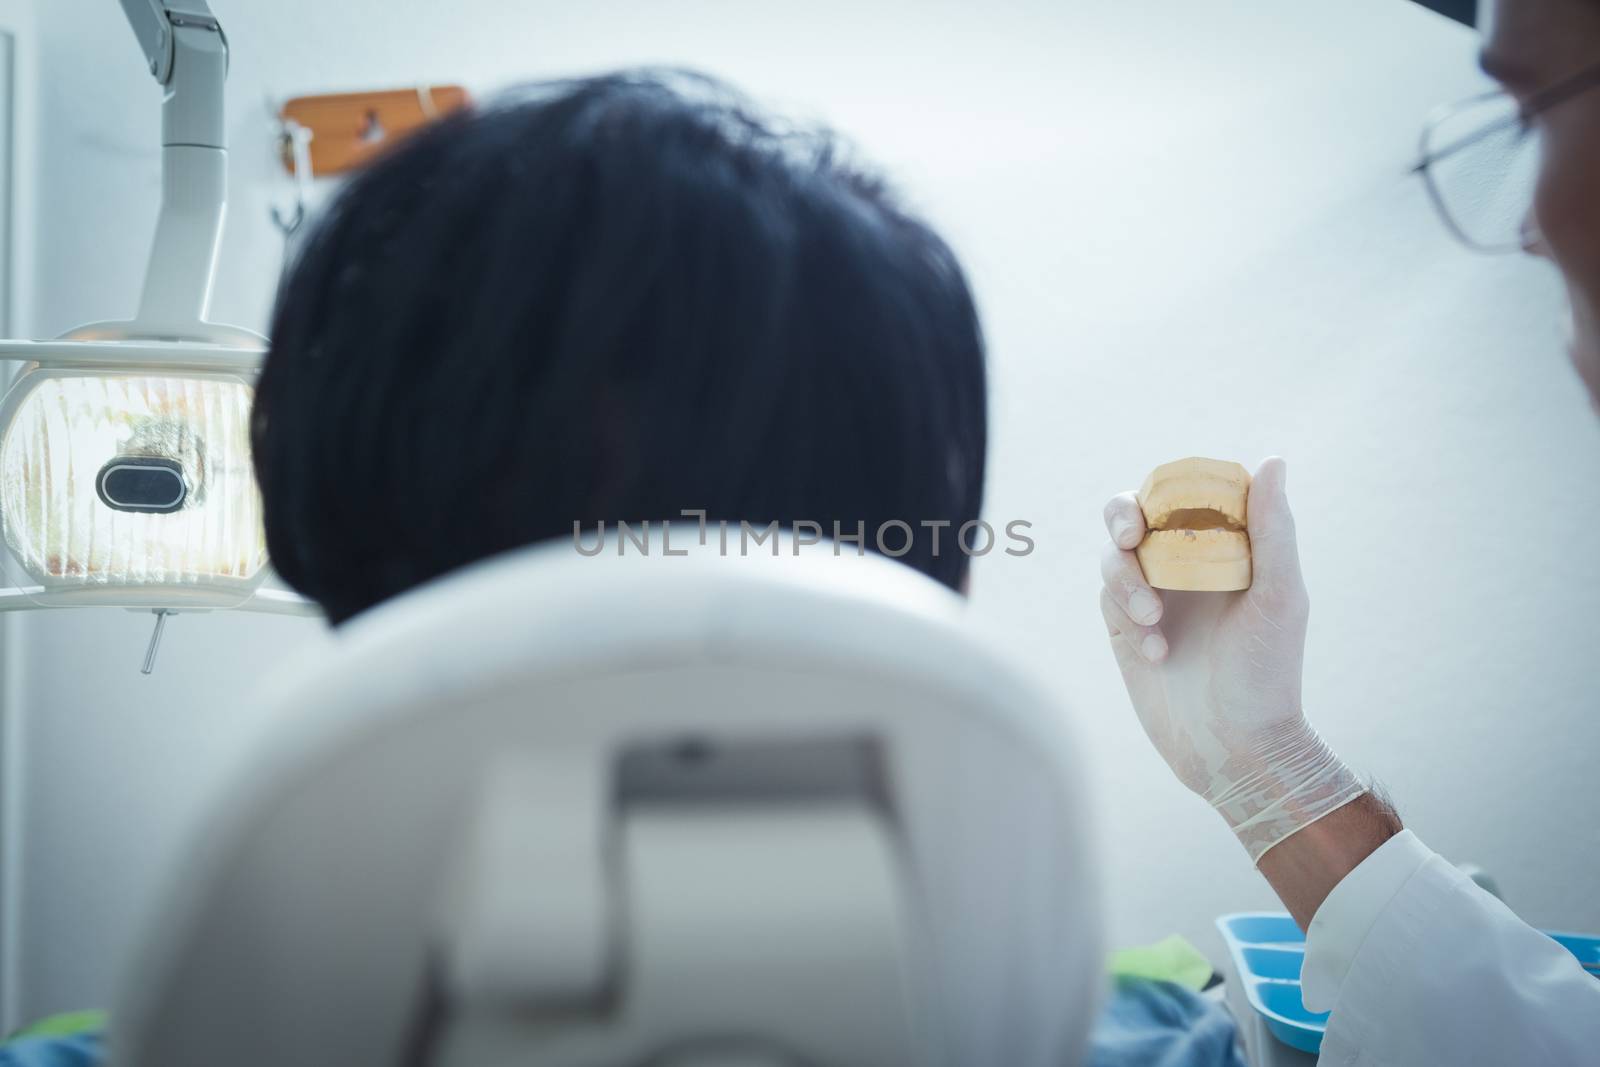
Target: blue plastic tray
[{"x": 1268, "y": 948}]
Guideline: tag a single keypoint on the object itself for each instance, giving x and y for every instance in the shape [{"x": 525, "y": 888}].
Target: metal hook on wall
[{"x": 294, "y": 142}]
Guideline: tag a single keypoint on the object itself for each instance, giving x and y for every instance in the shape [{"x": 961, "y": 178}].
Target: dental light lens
[{"x": 131, "y": 480}]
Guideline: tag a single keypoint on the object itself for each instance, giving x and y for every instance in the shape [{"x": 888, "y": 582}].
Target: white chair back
[{"x": 614, "y": 811}]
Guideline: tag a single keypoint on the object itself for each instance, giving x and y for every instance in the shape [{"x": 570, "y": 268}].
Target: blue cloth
[
  {"x": 79, "y": 1050},
  {"x": 1147, "y": 1023}
]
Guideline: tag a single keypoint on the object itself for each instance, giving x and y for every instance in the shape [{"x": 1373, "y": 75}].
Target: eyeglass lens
[{"x": 1486, "y": 186}]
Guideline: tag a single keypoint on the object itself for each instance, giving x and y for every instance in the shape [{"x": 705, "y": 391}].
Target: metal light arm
[
  {"x": 187, "y": 53},
  {"x": 153, "y": 27}
]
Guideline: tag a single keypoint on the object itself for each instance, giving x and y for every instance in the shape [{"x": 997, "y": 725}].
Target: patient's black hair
[{"x": 610, "y": 299}]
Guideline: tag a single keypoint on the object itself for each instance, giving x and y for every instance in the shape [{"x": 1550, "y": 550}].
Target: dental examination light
[{"x": 125, "y": 473}]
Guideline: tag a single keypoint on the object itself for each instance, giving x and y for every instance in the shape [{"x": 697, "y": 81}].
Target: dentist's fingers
[
  {"x": 1145, "y": 640},
  {"x": 1119, "y": 569},
  {"x": 1124, "y": 520},
  {"x": 1274, "y": 556}
]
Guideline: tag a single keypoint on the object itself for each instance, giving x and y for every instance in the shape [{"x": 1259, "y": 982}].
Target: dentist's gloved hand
[{"x": 1215, "y": 677}]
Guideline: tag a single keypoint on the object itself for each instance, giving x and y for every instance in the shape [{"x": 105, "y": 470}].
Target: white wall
[{"x": 1191, "y": 231}]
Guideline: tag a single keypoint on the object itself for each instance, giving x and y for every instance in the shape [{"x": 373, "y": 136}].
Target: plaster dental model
[{"x": 1195, "y": 512}]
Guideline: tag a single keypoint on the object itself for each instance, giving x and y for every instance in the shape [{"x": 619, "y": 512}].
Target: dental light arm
[
  {"x": 187, "y": 53},
  {"x": 153, "y": 26}
]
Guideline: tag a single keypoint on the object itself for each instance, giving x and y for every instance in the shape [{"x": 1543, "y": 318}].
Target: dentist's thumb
[{"x": 1274, "y": 556}]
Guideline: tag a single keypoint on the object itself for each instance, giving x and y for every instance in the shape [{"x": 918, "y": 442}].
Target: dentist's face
[{"x": 1533, "y": 45}]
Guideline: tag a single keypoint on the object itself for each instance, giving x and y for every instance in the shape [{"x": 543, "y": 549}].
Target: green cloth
[
  {"x": 67, "y": 1024},
  {"x": 1172, "y": 959}
]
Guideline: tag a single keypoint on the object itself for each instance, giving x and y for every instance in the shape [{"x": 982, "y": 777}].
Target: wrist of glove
[{"x": 1279, "y": 782}]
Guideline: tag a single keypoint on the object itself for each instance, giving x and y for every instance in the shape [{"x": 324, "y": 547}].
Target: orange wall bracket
[{"x": 347, "y": 129}]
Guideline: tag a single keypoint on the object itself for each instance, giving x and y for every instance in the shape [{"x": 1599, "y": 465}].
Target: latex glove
[{"x": 1215, "y": 677}]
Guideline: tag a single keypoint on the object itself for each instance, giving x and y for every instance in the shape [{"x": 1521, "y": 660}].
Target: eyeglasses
[{"x": 1480, "y": 163}]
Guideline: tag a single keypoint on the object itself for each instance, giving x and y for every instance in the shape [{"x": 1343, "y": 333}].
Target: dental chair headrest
[{"x": 622, "y": 811}]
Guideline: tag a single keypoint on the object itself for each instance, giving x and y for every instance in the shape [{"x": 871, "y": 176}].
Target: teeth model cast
[{"x": 1195, "y": 511}]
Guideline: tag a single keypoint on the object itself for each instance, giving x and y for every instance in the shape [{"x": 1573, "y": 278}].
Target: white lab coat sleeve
[{"x": 1421, "y": 967}]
